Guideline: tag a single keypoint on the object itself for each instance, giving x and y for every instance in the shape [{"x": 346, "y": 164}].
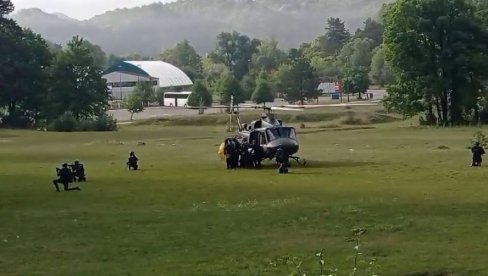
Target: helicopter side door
[{"x": 254, "y": 136}]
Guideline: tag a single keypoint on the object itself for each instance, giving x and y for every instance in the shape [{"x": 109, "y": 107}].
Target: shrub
[
  {"x": 65, "y": 123},
  {"x": 68, "y": 123}
]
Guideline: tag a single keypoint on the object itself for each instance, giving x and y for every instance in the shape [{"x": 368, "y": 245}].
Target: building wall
[{"x": 122, "y": 84}]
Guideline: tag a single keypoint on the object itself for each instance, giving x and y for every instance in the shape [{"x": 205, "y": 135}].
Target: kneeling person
[
  {"x": 65, "y": 177},
  {"x": 132, "y": 163},
  {"x": 78, "y": 172}
]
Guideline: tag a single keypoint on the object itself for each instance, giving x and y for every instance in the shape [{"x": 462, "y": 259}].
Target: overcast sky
[{"x": 81, "y": 9}]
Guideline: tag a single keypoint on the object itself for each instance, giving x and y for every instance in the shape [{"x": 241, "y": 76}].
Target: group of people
[
  {"x": 68, "y": 174},
  {"x": 249, "y": 155},
  {"x": 76, "y": 173},
  {"x": 242, "y": 155}
]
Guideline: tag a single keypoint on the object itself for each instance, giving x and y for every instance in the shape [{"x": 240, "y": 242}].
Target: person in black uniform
[
  {"x": 65, "y": 177},
  {"x": 78, "y": 172},
  {"x": 478, "y": 152},
  {"x": 229, "y": 151},
  {"x": 257, "y": 154},
  {"x": 283, "y": 160},
  {"x": 132, "y": 162}
]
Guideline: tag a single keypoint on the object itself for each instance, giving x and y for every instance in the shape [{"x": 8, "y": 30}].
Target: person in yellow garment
[{"x": 221, "y": 151}]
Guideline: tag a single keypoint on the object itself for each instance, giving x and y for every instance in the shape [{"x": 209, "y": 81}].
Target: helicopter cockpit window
[{"x": 281, "y": 132}]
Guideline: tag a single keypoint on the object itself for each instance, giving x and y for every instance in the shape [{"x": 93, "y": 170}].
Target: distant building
[{"x": 123, "y": 76}]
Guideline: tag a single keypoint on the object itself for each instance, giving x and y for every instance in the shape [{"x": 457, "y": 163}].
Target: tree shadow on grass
[{"x": 321, "y": 164}]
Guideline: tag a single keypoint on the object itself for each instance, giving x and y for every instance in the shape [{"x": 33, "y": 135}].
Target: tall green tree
[
  {"x": 357, "y": 52},
  {"x": 380, "y": 72},
  {"x": 76, "y": 83},
  {"x": 438, "y": 50},
  {"x": 297, "y": 80},
  {"x": 200, "y": 95},
  {"x": 336, "y": 35},
  {"x": 229, "y": 87},
  {"x": 372, "y": 30},
  {"x": 24, "y": 59},
  {"x": 185, "y": 57},
  {"x": 356, "y": 80},
  {"x": 235, "y": 51},
  {"x": 268, "y": 56},
  {"x": 263, "y": 92}
]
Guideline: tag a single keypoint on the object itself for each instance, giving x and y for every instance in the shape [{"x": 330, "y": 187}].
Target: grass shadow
[{"x": 316, "y": 164}]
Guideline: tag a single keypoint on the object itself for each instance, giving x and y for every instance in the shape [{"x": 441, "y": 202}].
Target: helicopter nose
[{"x": 288, "y": 145}]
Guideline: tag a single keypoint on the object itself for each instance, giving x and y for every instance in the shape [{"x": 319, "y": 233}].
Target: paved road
[{"x": 122, "y": 115}]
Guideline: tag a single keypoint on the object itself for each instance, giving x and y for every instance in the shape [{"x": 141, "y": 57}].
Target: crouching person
[
  {"x": 65, "y": 176},
  {"x": 132, "y": 162},
  {"x": 78, "y": 172},
  {"x": 282, "y": 158}
]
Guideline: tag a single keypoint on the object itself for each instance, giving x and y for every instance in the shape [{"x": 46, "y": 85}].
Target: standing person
[
  {"x": 65, "y": 177},
  {"x": 229, "y": 152},
  {"x": 132, "y": 162},
  {"x": 257, "y": 154},
  {"x": 478, "y": 152}
]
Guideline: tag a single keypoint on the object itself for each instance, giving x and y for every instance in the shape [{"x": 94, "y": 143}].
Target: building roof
[{"x": 168, "y": 75}]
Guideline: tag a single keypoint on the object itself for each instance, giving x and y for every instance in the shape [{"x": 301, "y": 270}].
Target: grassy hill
[{"x": 151, "y": 28}]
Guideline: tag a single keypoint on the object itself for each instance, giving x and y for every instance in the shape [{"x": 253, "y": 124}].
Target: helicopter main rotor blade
[{"x": 286, "y": 108}]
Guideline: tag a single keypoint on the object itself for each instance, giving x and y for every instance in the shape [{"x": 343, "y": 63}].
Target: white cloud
[{"x": 81, "y": 9}]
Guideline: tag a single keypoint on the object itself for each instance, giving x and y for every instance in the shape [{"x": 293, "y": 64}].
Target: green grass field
[{"x": 424, "y": 208}]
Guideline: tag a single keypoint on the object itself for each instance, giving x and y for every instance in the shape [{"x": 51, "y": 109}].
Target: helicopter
[{"x": 268, "y": 132}]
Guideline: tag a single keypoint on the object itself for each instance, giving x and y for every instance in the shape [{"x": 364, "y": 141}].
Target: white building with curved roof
[{"x": 123, "y": 76}]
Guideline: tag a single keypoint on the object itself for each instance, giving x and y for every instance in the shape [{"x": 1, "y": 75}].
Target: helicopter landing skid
[{"x": 299, "y": 160}]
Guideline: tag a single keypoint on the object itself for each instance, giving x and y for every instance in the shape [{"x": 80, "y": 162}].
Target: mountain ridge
[{"x": 149, "y": 29}]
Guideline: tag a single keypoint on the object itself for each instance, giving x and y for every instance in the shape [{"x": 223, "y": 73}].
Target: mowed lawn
[{"x": 424, "y": 208}]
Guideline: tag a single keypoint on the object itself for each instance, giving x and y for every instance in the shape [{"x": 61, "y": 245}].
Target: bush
[{"x": 68, "y": 123}]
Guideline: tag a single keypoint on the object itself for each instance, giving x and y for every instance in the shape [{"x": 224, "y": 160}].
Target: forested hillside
[{"x": 150, "y": 29}]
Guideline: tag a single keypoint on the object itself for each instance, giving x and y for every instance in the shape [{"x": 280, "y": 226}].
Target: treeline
[
  {"x": 258, "y": 70},
  {"x": 438, "y": 50},
  {"x": 39, "y": 87},
  {"x": 430, "y": 54}
]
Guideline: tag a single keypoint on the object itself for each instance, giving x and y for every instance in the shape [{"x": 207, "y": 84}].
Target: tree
[
  {"x": 263, "y": 93},
  {"x": 212, "y": 72},
  {"x": 135, "y": 104},
  {"x": 372, "y": 30},
  {"x": 235, "y": 51},
  {"x": 6, "y": 7},
  {"x": 229, "y": 87},
  {"x": 268, "y": 56},
  {"x": 96, "y": 52},
  {"x": 357, "y": 52},
  {"x": 297, "y": 80},
  {"x": 76, "y": 84},
  {"x": 356, "y": 80},
  {"x": 24, "y": 59},
  {"x": 336, "y": 35},
  {"x": 200, "y": 95},
  {"x": 248, "y": 85},
  {"x": 184, "y": 56},
  {"x": 146, "y": 92},
  {"x": 438, "y": 50},
  {"x": 380, "y": 72}
]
